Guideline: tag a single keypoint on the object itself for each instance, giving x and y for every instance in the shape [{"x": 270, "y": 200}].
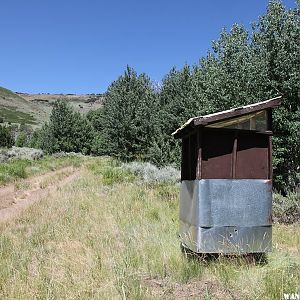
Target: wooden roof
[{"x": 226, "y": 114}]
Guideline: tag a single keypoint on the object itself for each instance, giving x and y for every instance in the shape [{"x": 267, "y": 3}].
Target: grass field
[{"x": 107, "y": 235}]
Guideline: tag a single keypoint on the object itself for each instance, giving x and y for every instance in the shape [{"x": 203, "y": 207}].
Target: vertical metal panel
[
  {"x": 270, "y": 158},
  {"x": 193, "y": 156},
  {"x": 189, "y": 204},
  {"x": 252, "y": 156},
  {"x": 217, "y": 148},
  {"x": 182, "y": 169},
  {"x": 189, "y": 158},
  {"x": 199, "y": 156},
  {"x": 184, "y": 159},
  {"x": 233, "y": 161}
]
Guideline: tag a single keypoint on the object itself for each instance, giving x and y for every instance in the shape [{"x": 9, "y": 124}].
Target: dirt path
[{"x": 16, "y": 197}]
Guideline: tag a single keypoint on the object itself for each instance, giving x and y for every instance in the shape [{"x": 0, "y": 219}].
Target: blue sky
[{"x": 81, "y": 46}]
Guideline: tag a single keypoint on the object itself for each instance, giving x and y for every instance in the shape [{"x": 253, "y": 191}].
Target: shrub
[
  {"x": 66, "y": 154},
  {"x": 286, "y": 209},
  {"x": 150, "y": 173},
  {"x": 15, "y": 169},
  {"x": 21, "y": 139},
  {"x": 18, "y": 169},
  {"x": 20, "y": 153}
]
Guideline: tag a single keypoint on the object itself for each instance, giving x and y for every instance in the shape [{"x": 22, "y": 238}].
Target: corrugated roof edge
[{"x": 230, "y": 113}]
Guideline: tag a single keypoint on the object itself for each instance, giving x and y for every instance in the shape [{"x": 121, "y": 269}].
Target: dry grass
[
  {"x": 119, "y": 241},
  {"x": 52, "y": 180}
]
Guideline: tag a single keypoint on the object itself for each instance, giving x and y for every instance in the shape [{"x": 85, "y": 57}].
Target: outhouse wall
[{"x": 220, "y": 153}]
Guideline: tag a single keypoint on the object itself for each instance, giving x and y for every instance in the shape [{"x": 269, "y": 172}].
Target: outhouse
[{"x": 226, "y": 180}]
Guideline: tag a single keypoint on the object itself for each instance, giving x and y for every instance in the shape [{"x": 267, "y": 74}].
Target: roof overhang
[{"x": 226, "y": 114}]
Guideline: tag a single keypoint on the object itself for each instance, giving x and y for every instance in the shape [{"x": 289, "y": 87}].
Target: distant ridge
[{"x": 34, "y": 109}]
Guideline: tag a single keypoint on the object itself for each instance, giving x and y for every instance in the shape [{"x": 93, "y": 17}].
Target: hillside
[
  {"x": 34, "y": 109},
  {"x": 15, "y": 109}
]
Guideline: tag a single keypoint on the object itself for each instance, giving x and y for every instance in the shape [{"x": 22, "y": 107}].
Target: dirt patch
[
  {"x": 203, "y": 289},
  {"x": 6, "y": 198},
  {"x": 15, "y": 198},
  {"x": 196, "y": 289}
]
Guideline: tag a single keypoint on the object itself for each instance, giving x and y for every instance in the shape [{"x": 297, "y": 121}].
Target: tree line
[{"x": 242, "y": 67}]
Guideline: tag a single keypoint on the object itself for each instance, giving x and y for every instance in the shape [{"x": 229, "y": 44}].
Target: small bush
[
  {"x": 13, "y": 169},
  {"x": 21, "y": 139},
  {"x": 19, "y": 169},
  {"x": 66, "y": 154},
  {"x": 151, "y": 174},
  {"x": 286, "y": 209},
  {"x": 20, "y": 153}
]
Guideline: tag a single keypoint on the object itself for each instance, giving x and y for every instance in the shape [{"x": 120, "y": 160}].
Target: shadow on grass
[{"x": 249, "y": 258}]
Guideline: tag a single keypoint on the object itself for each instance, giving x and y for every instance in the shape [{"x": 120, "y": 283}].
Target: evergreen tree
[
  {"x": 66, "y": 131},
  {"x": 99, "y": 144},
  {"x": 175, "y": 106},
  {"x": 127, "y": 124}
]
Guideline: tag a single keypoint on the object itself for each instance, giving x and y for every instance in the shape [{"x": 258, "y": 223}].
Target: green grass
[
  {"x": 17, "y": 110},
  {"x": 23, "y": 168},
  {"x": 111, "y": 172},
  {"x": 13, "y": 170},
  {"x": 6, "y": 93},
  {"x": 93, "y": 240},
  {"x": 12, "y": 115}
]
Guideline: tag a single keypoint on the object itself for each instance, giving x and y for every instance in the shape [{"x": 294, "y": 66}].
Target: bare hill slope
[{"x": 34, "y": 109}]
